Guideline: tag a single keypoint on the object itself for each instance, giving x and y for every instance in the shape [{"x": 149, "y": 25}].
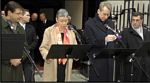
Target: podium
[
  {"x": 145, "y": 48},
  {"x": 12, "y": 46},
  {"x": 80, "y": 51},
  {"x": 114, "y": 53},
  {"x": 117, "y": 52},
  {"x": 68, "y": 51}
]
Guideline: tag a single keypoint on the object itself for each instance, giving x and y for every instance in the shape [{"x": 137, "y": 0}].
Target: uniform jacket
[
  {"x": 31, "y": 37},
  {"x": 41, "y": 28},
  {"x": 30, "y": 40}
]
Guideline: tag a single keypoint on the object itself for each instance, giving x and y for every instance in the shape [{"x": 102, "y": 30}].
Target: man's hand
[
  {"x": 15, "y": 62},
  {"x": 109, "y": 38}
]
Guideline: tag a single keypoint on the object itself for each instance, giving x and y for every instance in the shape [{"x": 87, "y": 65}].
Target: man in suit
[
  {"x": 97, "y": 32},
  {"x": 35, "y": 23},
  {"x": 133, "y": 37},
  {"x": 12, "y": 68},
  {"x": 43, "y": 24},
  {"x": 34, "y": 17},
  {"x": 31, "y": 42}
]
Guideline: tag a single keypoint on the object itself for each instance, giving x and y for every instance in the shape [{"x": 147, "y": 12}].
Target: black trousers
[
  {"x": 61, "y": 72},
  {"x": 28, "y": 71}
]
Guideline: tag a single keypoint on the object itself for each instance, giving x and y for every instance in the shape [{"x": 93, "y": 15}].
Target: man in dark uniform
[
  {"x": 96, "y": 32},
  {"x": 133, "y": 37},
  {"x": 12, "y": 68},
  {"x": 31, "y": 40}
]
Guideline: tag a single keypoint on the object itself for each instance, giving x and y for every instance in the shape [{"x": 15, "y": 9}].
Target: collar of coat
[
  {"x": 145, "y": 31},
  {"x": 5, "y": 25},
  {"x": 4, "y": 22},
  {"x": 101, "y": 24}
]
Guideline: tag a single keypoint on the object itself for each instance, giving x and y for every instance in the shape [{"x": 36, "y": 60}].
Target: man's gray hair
[
  {"x": 62, "y": 13},
  {"x": 105, "y": 4}
]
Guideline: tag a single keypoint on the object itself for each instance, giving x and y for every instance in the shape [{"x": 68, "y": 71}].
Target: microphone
[
  {"x": 116, "y": 34},
  {"x": 108, "y": 27},
  {"x": 119, "y": 37},
  {"x": 77, "y": 34}
]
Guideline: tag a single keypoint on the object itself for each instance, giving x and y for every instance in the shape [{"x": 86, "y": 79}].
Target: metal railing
[{"x": 121, "y": 15}]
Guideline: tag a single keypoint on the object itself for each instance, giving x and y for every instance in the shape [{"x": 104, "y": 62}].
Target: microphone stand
[
  {"x": 77, "y": 34},
  {"x": 114, "y": 57},
  {"x": 138, "y": 63},
  {"x": 89, "y": 62},
  {"x": 133, "y": 58},
  {"x": 117, "y": 35},
  {"x": 31, "y": 60}
]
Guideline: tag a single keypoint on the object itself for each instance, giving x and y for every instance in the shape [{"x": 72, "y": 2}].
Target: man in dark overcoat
[
  {"x": 97, "y": 32},
  {"x": 12, "y": 68},
  {"x": 133, "y": 37}
]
